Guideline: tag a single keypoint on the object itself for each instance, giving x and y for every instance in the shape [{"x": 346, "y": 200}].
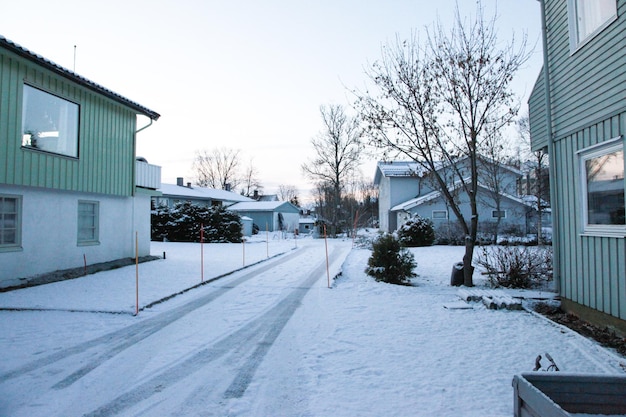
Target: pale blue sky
[{"x": 245, "y": 74}]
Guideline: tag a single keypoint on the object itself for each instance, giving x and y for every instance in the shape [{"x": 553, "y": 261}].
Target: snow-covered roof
[
  {"x": 414, "y": 202},
  {"x": 260, "y": 205},
  {"x": 397, "y": 169},
  {"x": 201, "y": 193},
  {"x": 414, "y": 169}
]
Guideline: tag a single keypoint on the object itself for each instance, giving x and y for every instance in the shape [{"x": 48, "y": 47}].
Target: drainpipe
[
  {"x": 551, "y": 157},
  {"x": 135, "y": 170},
  {"x": 145, "y": 127}
]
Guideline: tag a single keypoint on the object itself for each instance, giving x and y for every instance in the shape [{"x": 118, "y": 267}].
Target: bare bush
[{"x": 516, "y": 266}]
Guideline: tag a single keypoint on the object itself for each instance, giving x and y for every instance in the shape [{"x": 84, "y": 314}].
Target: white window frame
[
  {"x": 576, "y": 40},
  {"x": 50, "y": 123},
  {"x": 17, "y": 244},
  {"x": 596, "y": 151},
  {"x": 493, "y": 214},
  {"x": 445, "y": 217},
  {"x": 93, "y": 238}
]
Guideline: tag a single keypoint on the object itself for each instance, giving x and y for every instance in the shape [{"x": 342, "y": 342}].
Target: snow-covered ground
[{"x": 359, "y": 348}]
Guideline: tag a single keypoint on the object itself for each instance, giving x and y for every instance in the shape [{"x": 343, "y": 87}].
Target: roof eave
[{"x": 72, "y": 76}]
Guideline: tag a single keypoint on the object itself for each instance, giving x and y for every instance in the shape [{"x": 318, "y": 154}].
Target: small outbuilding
[{"x": 270, "y": 215}]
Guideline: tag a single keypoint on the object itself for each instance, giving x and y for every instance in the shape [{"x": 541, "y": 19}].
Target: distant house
[
  {"x": 264, "y": 197},
  {"x": 407, "y": 189},
  {"x": 71, "y": 190},
  {"x": 578, "y": 113},
  {"x": 270, "y": 215},
  {"x": 181, "y": 192},
  {"x": 306, "y": 225}
]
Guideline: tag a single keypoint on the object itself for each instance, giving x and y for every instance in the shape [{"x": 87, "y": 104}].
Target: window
[
  {"x": 589, "y": 17},
  {"x": 88, "y": 220},
  {"x": 440, "y": 214},
  {"x": 49, "y": 123},
  {"x": 10, "y": 227},
  {"x": 602, "y": 169},
  {"x": 498, "y": 214}
]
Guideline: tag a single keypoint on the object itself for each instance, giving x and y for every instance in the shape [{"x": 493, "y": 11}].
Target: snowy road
[
  {"x": 182, "y": 360},
  {"x": 273, "y": 340}
]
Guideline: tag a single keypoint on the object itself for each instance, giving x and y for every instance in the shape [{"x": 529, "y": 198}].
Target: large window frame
[
  {"x": 50, "y": 123},
  {"x": 439, "y": 215},
  {"x": 88, "y": 230},
  {"x": 10, "y": 222},
  {"x": 587, "y": 18},
  {"x": 603, "y": 214}
]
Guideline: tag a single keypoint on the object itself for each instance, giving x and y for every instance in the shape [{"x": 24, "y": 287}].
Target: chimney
[
  {"x": 188, "y": 185},
  {"x": 256, "y": 194},
  {"x": 179, "y": 181},
  {"x": 227, "y": 187}
]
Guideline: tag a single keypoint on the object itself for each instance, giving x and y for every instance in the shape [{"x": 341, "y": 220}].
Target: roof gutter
[
  {"x": 551, "y": 157},
  {"x": 64, "y": 72}
]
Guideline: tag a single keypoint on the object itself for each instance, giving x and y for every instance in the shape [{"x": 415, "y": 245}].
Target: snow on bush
[
  {"x": 390, "y": 262},
  {"x": 183, "y": 223},
  {"x": 417, "y": 231}
]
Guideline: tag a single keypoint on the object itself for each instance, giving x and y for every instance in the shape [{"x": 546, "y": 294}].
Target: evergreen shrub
[
  {"x": 390, "y": 262},
  {"x": 418, "y": 231},
  {"x": 182, "y": 224}
]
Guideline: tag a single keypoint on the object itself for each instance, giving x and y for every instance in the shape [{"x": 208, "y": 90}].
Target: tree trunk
[{"x": 470, "y": 243}]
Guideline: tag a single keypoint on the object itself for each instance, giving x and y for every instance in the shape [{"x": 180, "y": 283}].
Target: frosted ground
[{"x": 359, "y": 348}]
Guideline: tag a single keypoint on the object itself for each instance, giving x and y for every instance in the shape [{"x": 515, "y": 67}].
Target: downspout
[
  {"x": 134, "y": 224},
  {"x": 145, "y": 127},
  {"x": 551, "y": 157}
]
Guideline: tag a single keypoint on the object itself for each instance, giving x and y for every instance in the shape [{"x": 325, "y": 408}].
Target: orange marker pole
[
  {"x": 267, "y": 239},
  {"x": 327, "y": 266},
  {"x": 201, "y": 252}
]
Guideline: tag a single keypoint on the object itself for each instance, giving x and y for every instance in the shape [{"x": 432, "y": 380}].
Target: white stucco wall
[{"x": 49, "y": 229}]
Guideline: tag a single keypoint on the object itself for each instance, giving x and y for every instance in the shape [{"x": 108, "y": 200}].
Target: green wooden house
[
  {"x": 578, "y": 112},
  {"x": 71, "y": 189}
]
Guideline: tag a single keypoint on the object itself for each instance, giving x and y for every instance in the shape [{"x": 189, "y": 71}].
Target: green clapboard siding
[
  {"x": 592, "y": 268},
  {"x": 588, "y": 95},
  {"x": 105, "y": 162}
]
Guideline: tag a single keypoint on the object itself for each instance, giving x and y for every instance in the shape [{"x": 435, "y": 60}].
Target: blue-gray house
[
  {"x": 578, "y": 112},
  {"x": 406, "y": 189}
]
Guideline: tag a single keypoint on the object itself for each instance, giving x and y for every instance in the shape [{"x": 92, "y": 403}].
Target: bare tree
[
  {"x": 337, "y": 149},
  {"x": 218, "y": 168},
  {"x": 250, "y": 181},
  {"x": 288, "y": 193},
  {"x": 493, "y": 176},
  {"x": 435, "y": 105},
  {"x": 539, "y": 186}
]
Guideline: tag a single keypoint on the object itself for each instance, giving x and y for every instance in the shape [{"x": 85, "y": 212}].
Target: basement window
[
  {"x": 88, "y": 222},
  {"x": 10, "y": 222},
  {"x": 49, "y": 123}
]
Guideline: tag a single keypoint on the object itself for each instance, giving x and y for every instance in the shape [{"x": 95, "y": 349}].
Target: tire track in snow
[
  {"x": 119, "y": 340},
  {"x": 261, "y": 331}
]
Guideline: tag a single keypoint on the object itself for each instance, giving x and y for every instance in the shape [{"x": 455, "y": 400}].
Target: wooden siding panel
[
  {"x": 583, "y": 91},
  {"x": 537, "y": 115},
  {"x": 105, "y": 162}
]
